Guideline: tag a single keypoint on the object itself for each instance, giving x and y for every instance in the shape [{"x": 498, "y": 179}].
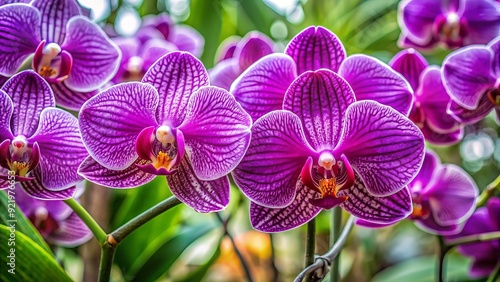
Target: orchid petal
[
  {"x": 261, "y": 88},
  {"x": 70, "y": 99},
  {"x": 154, "y": 49},
  {"x": 187, "y": 39},
  {"x": 202, "y": 196},
  {"x": 384, "y": 147},
  {"x": 452, "y": 197},
  {"x": 61, "y": 149},
  {"x": 371, "y": 79},
  {"x": 410, "y": 64},
  {"x": 442, "y": 139},
  {"x": 424, "y": 176},
  {"x": 467, "y": 74},
  {"x": 315, "y": 48},
  {"x": 129, "y": 177},
  {"x": 493, "y": 207},
  {"x": 125, "y": 110},
  {"x": 72, "y": 232},
  {"x": 251, "y": 48},
  {"x": 384, "y": 210},
  {"x": 95, "y": 58},
  {"x": 30, "y": 94},
  {"x": 320, "y": 100},
  {"x": 226, "y": 49},
  {"x": 278, "y": 150},
  {"x": 416, "y": 19},
  {"x": 430, "y": 225},
  {"x": 176, "y": 76},
  {"x": 216, "y": 132},
  {"x": 299, "y": 212},
  {"x": 55, "y": 15},
  {"x": 483, "y": 21},
  {"x": 467, "y": 116},
  {"x": 6, "y": 109},
  {"x": 19, "y": 36},
  {"x": 34, "y": 188},
  {"x": 224, "y": 73}
]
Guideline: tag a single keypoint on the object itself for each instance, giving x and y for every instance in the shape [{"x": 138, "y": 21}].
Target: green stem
[
  {"x": 488, "y": 192},
  {"x": 243, "y": 262},
  {"x": 443, "y": 249},
  {"x": 98, "y": 232},
  {"x": 334, "y": 235},
  {"x": 107, "y": 257},
  {"x": 473, "y": 239},
  {"x": 495, "y": 274},
  {"x": 123, "y": 231},
  {"x": 310, "y": 244}
]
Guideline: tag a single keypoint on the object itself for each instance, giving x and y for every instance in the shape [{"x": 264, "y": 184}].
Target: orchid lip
[
  {"x": 51, "y": 62},
  {"x": 18, "y": 157}
]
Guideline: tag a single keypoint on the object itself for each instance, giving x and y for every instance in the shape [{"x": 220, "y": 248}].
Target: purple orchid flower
[
  {"x": 137, "y": 57},
  {"x": 183, "y": 37},
  {"x": 443, "y": 196},
  {"x": 236, "y": 57},
  {"x": 261, "y": 88},
  {"x": 453, "y": 23},
  {"x": 72, "y": 53},
  {"x": 325, "y": 150},
  {"x": 486, "y": 254},
  {"x": 471, "y": 76},
  {"x": 173, "y": 124},
  {"x": 430, "y": 98},
  {"x": 55, "y": 220},
  {"x": 39, "y": 144}
]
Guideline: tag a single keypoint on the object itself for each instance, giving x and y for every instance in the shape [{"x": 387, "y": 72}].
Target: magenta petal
[
  {"x": 70, "y": 99},
  {"x": 278, "y": 149},
  {"x": 384, "y": 147},
  {"x": 452, "y": 197},
  {"x": 261, "y": 88},
  {"x": 384, "y": 210},
  {"x": 299, "y": 212},
  {"x": 187, "y": 39},
  {"x": 466, "y": 116},
  {"x": 467, "y": 74},
  {"x": 251, "y": 48},
  {"x": 431, "y": 226},
  {"x": 72, "y": 232},
  {"x": 6, "y": 109},
  {"x": 433, "y": 100},
  {"x": 410, "y": 64},
  {"x": 368, "y": 224},
  {"x": 125, "y": 110},
  {"x": 442, "y": 139},
  {"x": 371, "y": 79},
  {"x": 202, "y": 196},
  {"x": 216, "y": 132},
  {"x": 315, "y": 48},
  {"x": 320, "y": 99},
  {"x": 416, "y": 19},
  {"x": 129, "y": 177},
  {"x": 19, "y": 36},
  {"x": 483, "y": 21},
  {"x": 226, "y": 48},
  {"x": 224, "y": 73},
  {"x": 61, "y": 149},
  {"x": 95, "y": 58},
  {"x": 176, "y": 76},
  {"x": 483, "y": 268},
  {"x": 493, "y": 207},
  {"x": 424, "y": 176},
  {"x": 34, "y": 188},
  {"x": 30, "y": 94},
  {"x": 154, "y": 49},
  {"x": 55, "y": 15}
]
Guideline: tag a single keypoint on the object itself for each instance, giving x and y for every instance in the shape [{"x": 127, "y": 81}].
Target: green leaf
[
  {"x": 167, "y": 253},
  {"x": 201, "y": 271},
  {"x": 422, "y": 269},
  {"x": 23, "y": 224},
  {"x": 30, "y": 262}
]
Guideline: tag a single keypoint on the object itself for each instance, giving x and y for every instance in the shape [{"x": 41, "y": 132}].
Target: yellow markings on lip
[
  {"x": 328, "y": 187},
  {"x": 46, "y": 71},
  {"x": 20, "y": 168},
  {"x": 162, "y": 160}
]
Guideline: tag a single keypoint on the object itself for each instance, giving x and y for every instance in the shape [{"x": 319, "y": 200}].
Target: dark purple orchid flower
[
  {"x": 325, "y": 150},
  {"x": 443, "y": 197},
  {"x": 486, "y": 254},
  {"x": 185, "y": 38},
  {"x": 430, "y": 98},
  {"x": 72, "y": 53},
  {"x": 471, "y": 76},
  {"x": 55, "y": 220},
  {"x": 137, "y": 57},
  {"x": 236, "y": 57},
  {"x": 173, "y": 124},
  {"x": 261, "y": 88},
  {"x": 39, "y": 144},
  {"x": 453, "y": 23}
]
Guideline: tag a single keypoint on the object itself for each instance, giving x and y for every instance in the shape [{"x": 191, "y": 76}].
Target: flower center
[
  {"x": 421, "y": 209},
  {"x": 51, "y": 62},
  {"x": 43, "y": 221},
  {"x": 18, "y": 157},
  {"x": 451, "y": 27},
  {"x": 494, "y": 96},
  {"x": 328, "y": 177},
  {"x": 134, "y": 69}
]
